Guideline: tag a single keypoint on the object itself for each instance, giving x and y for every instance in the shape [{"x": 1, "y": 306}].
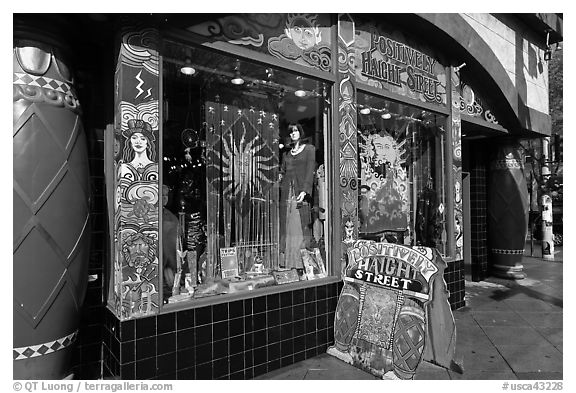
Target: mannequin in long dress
[{"x": 296, "y": 181}]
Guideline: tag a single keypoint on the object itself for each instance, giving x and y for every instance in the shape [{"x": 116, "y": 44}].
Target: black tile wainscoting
[
  {"x": 454, "y": 277},
  {"x": 238, "y": 340}
]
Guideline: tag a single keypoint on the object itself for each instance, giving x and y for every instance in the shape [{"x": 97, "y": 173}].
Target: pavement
[{"x": 509, "y": 330}]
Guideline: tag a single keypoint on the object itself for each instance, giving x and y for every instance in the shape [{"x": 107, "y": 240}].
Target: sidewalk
[{"x": 508, "y": 330}]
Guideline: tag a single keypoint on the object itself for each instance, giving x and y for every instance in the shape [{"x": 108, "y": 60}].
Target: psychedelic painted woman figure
[
  {"x": 139, "y": 152},
  {"x": 138, "y": 206}
]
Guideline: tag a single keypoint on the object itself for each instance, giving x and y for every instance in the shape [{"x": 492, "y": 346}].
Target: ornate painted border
[
  {"x": 457, "y": 164},
  {"x": 473, "y": 105},
  {"x": 44, "y": 348},
  {"x": 347, "y": 110},
  {"x": 136, "y": 206},
  {"x": 271, "y": 34}
]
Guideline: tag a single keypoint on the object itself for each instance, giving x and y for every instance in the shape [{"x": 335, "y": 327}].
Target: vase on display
[
  {"x": 507, "y": 211},
  {"x": 51, "y": 231}
]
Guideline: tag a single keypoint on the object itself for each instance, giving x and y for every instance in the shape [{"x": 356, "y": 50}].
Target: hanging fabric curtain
[{"x": 241, "y": 169}]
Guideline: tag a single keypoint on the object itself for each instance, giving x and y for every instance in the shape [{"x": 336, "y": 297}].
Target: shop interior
[
  {"x": 401, "y": 161},
  {"x": 225, "y": 137}
]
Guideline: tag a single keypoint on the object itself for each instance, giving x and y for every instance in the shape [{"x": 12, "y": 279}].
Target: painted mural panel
[
  {"x": 457, "y": 165},
  {"x": 347, "y": 133},
  {"x": 136, "y": 267},
  {"x": 304, "y": 39},
  {"x": 388, "y": 60},
  {"x": 393, "y": 311}
]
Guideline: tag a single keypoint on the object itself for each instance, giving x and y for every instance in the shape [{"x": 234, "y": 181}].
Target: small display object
[
  {"x": 229, "y": 261},
  {"x": 313, "y": 265},
  {"x": 285, "y": 276}
]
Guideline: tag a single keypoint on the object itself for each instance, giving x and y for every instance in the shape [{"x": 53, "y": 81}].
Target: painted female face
[
  {"x": 384, "y": 149},
  {"x": 303, "y": 36},
  {"x": 294, "y": 134},
  {"x": 139, "y": 142}
]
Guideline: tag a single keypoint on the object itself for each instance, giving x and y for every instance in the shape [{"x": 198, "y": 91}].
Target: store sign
[
  {"x": 391, "y": 266},
  {"x": 393, "y": 65},
  {"x": 393, "y": 311}
]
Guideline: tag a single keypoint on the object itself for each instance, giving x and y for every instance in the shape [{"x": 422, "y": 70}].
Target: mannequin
[
  {"x": 428, "y": 228},
  {"x": 296, "y": 181},
  {"x": 169, "y": 233}
]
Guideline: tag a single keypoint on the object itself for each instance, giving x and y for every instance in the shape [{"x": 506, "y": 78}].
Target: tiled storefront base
[
  {"x": 238, "y": 340},
  {"x": 454, "y": 277}
]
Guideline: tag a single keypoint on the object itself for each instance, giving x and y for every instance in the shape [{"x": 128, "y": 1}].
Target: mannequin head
[{"x": 296, "y": 133}]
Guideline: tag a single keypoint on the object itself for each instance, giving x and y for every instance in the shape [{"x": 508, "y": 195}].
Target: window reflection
[{"x": 401, "y": 197}]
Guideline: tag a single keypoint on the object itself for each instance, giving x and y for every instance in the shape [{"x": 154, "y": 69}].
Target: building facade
[{"x": 234, "y": 158}]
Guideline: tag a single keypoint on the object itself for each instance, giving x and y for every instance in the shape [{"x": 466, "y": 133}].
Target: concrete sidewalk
[{"x": 508, "y": 330}]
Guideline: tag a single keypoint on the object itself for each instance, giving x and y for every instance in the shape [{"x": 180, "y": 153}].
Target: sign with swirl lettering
[
  {"x": 393, "y": 311},
  {"x": 387, "y": 61}
]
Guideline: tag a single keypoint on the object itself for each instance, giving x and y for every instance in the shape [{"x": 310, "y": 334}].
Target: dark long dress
[{"x": 296, "y": 221}]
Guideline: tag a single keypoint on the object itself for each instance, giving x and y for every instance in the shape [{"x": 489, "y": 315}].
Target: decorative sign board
[
  {"x": 393, "y": 311},
  {"x": 386, "y": 61}
]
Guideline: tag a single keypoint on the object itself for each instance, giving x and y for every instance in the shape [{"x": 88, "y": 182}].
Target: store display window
[
  {"x": 243, "y": 175},
  {"x": 401, "y": 161}
]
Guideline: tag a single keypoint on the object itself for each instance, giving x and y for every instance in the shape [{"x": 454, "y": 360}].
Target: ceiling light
[
  {"x": 300, "y": 92},
  {"x": 386, "y": 115},
  {"x": 365, "y": 110},
  {"x": 237, "y": 80},
  {"x": 187, "y": 68}
]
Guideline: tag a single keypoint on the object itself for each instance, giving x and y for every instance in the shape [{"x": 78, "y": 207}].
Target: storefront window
[
  {"x": 402, "y": 195},
  {"x": 243, "y": 175}
]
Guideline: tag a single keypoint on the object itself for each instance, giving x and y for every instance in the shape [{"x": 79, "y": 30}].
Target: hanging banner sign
[
  {"x": 393, "y": 311},
  {"x": 390, "y": 64}
]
